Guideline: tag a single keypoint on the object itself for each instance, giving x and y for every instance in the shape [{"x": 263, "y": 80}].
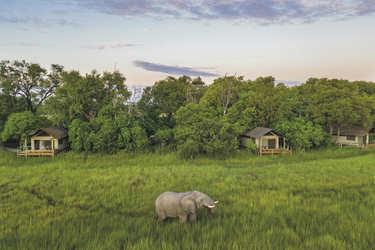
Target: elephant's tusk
[
  {"x": 216, "y": 202},
  {"x": 211, "y": 206}
]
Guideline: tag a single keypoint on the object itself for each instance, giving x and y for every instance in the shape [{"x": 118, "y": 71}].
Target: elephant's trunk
[{"x": 212, "y": 210}]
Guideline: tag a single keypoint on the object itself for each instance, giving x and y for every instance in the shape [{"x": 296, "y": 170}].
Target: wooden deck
[
  {"x": 356, "y": 145},
  {"x": 37, "y": 152},
  {"x": 273, "y": 151}
]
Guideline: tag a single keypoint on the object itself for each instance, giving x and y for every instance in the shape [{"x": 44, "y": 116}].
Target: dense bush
[
  {"x": 19, "y": 125},
  {"x": 302, "y": 134},
  {"x": 81, "y": 135},
  {"x": 111, "y": 136},
  {"x": 200, "y": 130}
]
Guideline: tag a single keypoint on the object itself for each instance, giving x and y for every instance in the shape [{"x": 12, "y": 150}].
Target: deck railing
[
  {"x": 269, "y": 151},
  {"x": 39, "y": 153}
]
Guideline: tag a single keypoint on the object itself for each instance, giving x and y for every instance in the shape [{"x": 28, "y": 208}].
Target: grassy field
[{"x": 317, "y": 200}]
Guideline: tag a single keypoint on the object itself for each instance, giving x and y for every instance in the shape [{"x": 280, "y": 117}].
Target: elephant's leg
[
  {"x": 183, "y": 217},
  {"x": 192, "y": 217},
  {"x": 162, "y": 215}
]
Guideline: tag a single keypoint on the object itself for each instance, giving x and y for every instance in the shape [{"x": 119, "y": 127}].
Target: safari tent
[
  {"x": 351, "y": 135},
  {"x": 46, "y": 142},
  {"x": 267, "y": 140}
]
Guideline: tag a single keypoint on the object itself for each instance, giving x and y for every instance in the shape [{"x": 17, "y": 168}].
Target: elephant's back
[{"x": 169, "y": 198}]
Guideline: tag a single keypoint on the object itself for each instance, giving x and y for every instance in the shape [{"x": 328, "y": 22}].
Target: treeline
[{"x": 175, "y": 114}]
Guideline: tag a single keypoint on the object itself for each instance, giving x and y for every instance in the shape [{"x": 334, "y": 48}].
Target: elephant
[{"x": 171, "y": 204}]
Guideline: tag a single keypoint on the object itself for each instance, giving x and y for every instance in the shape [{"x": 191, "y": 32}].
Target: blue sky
[{"x": 148, "y": 40}]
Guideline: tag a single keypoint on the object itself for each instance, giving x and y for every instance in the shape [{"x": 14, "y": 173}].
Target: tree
[
  {"x": 302, "y": 134},
  {"x": 170, "y": 94},
  {"x": 201, "y": 130},
  {"x": 269, "y": 101},
  {"x": 8, "y": 106},
  {"x": 264, "y": 104},
  {"x": 195, "y": 91},
  {"x": 107, "y": 135},
  {"x": 29, "y": 81},
  {"x": 364, "y": 87},
  {"x": 81, "y": 135},
  {"x": 225, "y": 92},
  {"x": 338, "y": 102},
  {"x": 299, "y": 100},
  {"x": 19, "y": 125},
  {"x": 83, "y": 96},
  {"x": 242, "y": 114}
]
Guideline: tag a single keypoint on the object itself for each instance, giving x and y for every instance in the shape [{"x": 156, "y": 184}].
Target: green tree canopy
[
  {"x": 19, "y": 125},
  {"x": 302, "y": 134},
  {"x": 29, "y": 81},
  {"x": 338, "y": 102},
  {"x": 83, "y": 96},
  {"x": 170, "y": 94},
  {"x": 224, "y": 92},
  {"x": 202, "y": 130},
  {"x": 263, "y": 105}
]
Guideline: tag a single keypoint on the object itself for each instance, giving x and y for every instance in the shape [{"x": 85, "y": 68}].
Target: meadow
[{"x": 322, "y": 199}]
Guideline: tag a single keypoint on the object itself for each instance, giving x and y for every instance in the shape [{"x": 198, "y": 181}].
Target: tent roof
[
  {"x": 259, "y": 132},
  {"x": 352, "y": 130},
  {"x": 57, "y": 132}
]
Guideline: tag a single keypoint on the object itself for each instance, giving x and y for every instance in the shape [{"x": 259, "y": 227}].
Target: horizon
[{"x": 148, "y": 40}]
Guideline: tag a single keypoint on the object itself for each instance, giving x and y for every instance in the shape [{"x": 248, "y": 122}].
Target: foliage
[
  {"x": 84, "y": 96},
  {"x": 317, "y": 200},
  {"x": 251, "y": 145},
  {"x": 302, "y": 134},
  {"x": 225, "y": 92},
  {"x": 107, "y": 136},
  {"x": 200, "y": 131},
  {"x": 269, "y": 101},
  {"x": 81, "y": 135},
  {"x": 8, "y": 106},
  {"x": 338, "y": 102},
  {"x": 19, "y": 125},
  {"x": 170, "y": 94},
  {"x": 139, "y": 138},
  {"x": 243, "y": 115},
  {"x": 178, "y": 112},
  {"x": 164, "y": 136},
  {"x": 29, "y": 81}
]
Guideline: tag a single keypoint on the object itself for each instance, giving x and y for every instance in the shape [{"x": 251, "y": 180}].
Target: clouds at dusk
[
  {"x": 102, "y": 46},
  {"x": 173, "y": 70},
  {"x": 263, "y": 12},
  {"x": 147, "y": 40}
]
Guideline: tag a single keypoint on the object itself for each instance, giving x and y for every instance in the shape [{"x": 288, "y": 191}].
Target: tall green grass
[{"x": 317, "y": 200}]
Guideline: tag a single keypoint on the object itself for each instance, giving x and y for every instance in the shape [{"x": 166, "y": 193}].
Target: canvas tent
[
  {"x": 264, "y": 138},
  {"x": 351, "y": 135},
  {"x": 46, "y": 141}
]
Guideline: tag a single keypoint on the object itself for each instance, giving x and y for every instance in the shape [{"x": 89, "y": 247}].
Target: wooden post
[{"x": 53, "y": 147}]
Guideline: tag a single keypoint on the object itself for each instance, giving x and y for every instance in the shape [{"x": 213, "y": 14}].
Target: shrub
[{"x": 19, "y": 125}]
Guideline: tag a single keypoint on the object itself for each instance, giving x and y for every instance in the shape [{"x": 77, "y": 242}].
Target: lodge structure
[
  {"x": 45, "y": 142},
  {"x": 354, "y": 136},
  {"x": 267, "y": 140}
]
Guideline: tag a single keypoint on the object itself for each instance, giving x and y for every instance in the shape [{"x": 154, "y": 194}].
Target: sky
[{"x": 148, "y": 40}]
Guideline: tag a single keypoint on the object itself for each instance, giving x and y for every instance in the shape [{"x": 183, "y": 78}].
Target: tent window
[{"x": 350, "y": 138}]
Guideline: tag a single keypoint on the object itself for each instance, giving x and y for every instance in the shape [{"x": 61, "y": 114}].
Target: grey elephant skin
[{"x": 183, "y": 205}]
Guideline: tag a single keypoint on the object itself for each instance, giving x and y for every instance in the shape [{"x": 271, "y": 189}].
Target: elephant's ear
[{"x": 188, "y": 204}]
